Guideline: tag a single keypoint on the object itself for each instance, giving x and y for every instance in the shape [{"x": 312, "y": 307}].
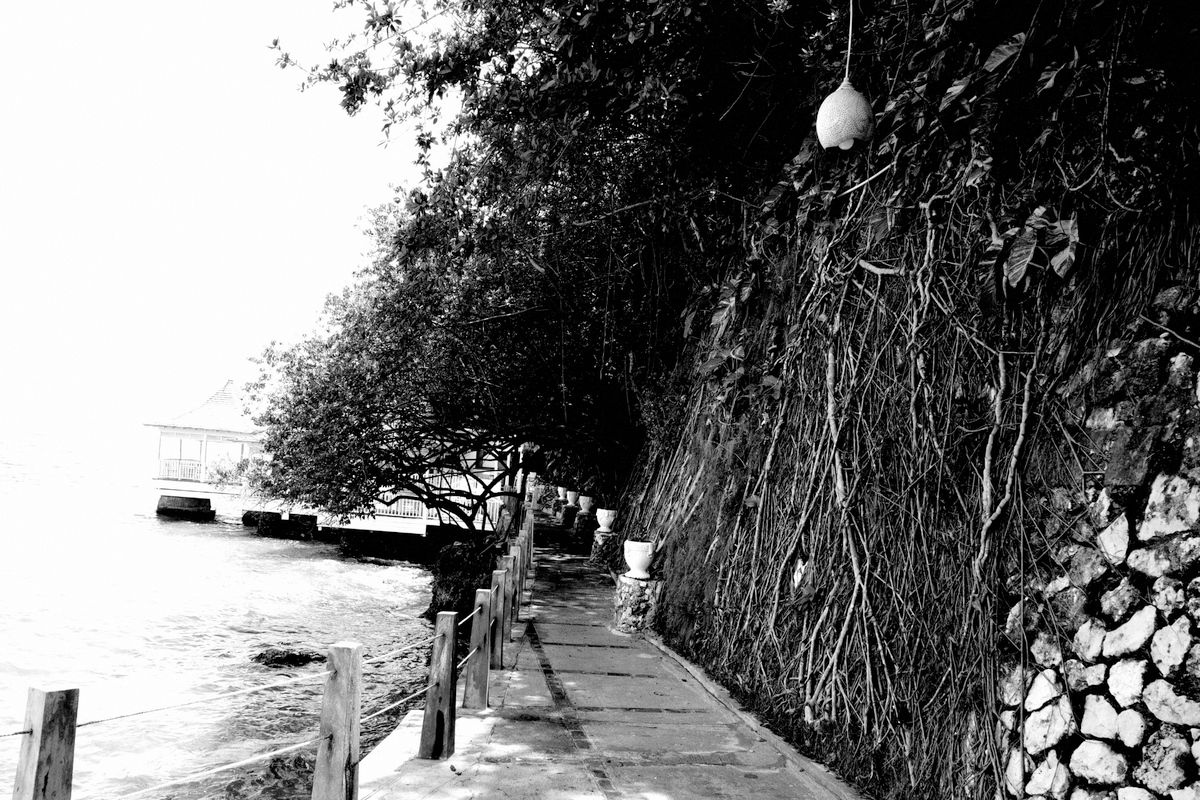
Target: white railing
[
  {"x": 398, "y": 506},
  {"x": 181, "y": 469},
  {"x": 407, "y": 507}
]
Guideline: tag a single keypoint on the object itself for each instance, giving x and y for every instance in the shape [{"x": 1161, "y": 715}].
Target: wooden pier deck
[{"x": 582, "y": 713}]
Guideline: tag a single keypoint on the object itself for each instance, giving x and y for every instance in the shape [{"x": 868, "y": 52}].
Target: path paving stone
[{"x": 581, "y": 712}]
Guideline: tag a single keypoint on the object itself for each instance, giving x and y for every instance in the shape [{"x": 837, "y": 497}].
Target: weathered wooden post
[
  {"x": 497, "y": 620},
  {"x": 523, "y": 541},
  {"x": 529, "y": 542},
  {"x": 437, "y": 730},
  {"x": 47, "y": 758},
  {"x": 475, "y": 692},
  {"x": 509, "y": 565},
  {"x": 514, "y": 550},
  {"x": 335, "y": 776},
  {"x": 522, "y": 544}
]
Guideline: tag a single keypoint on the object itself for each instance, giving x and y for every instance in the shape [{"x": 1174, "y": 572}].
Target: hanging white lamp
[{"x": 845, "y": 116}]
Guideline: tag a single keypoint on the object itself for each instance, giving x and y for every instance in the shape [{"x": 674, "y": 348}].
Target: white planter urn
[
  {"x": 572, "y": 498},
  {"x": 639, "y": 555},
  {"x": 562, "y": 493},
  {"x": 606, "y": 517},
  {"x": 585, "y": 504}
]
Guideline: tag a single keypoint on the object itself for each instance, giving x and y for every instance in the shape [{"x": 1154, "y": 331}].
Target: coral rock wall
[{"x": 1102, "y": 697}]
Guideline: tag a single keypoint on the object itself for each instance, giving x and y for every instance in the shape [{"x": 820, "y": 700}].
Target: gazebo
[{"x": 194, "y": 446}]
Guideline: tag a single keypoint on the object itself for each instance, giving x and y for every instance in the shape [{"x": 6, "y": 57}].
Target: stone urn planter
[
  {"x": 562, "y": 493},
  {"x": 585, "y": 504},
  {"x": 639, "y": 555},
  {"x": 606, "y": 517},
  {"x": 573, "y": 498}
]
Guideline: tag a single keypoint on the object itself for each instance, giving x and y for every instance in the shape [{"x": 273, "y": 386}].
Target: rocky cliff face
[{"x": 1101, "y": 698}]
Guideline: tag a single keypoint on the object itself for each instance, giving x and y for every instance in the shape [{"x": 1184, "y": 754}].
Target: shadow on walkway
[{"x": 581, "y": 713}]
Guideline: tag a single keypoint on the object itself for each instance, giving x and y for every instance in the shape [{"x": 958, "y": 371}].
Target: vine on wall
[{"x": 888, "y": 399}]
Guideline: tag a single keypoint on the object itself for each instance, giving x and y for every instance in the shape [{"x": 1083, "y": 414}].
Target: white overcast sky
[{"x": 169, "y": 201}]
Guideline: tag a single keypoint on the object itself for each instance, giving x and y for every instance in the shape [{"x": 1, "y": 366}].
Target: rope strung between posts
[
  {"x": 467, "y": 658},
  {"x": 237, "y": 692},
  {"x": 399, "y": 702},
  {"x": 208, "y": 698},
  {"x": 25, "y": 732},
  {"x": 405, "y": 649},
  {"x": 467, "y": 618},
  {"x": 217, "y": 770}
]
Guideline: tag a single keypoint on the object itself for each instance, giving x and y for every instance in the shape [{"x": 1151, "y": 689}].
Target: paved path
[{"x": 583, "y": 713}]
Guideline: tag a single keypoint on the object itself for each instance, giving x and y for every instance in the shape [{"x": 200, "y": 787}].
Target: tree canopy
[
  {"x": 609, "y": 191},
  {"x": 534, "y": 288}
]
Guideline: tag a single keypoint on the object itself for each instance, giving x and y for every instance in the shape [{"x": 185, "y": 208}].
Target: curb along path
[{"x": 582, "y": 713}]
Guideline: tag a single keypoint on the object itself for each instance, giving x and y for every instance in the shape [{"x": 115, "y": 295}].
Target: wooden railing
[{"x": 46, "y": 763}]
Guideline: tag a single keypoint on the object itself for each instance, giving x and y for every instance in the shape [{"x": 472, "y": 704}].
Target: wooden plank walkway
[{"x": 582, "y": 713}]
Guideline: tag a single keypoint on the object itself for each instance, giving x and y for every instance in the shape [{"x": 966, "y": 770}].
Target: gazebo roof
[{"x": 222, "y": 411}]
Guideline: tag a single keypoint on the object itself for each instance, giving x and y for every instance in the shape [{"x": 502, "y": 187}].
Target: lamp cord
[{"x": 849, "y": 41}]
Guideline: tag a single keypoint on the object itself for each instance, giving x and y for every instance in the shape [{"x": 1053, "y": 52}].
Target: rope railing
[
  {"x": 466, "y": 658},
  {"x": 207, "y": 699},
  {"x": 45, "y": 767},
  {"x": 399, "y": 651},
  {"x": 396, "y": 704},
  {"x": 245, "y": 762}
]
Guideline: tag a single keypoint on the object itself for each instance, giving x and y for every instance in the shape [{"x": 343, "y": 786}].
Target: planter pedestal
[
  {"x": 568, "y": 516},
  {"x": 599, "y": 540},
  {"x": 634, "y": 604}
]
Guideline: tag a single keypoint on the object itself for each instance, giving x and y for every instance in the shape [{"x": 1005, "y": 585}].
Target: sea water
[{"x": 138, "y": 611}]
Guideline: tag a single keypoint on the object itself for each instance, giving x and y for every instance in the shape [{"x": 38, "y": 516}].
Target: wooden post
[
  {"x": 529, "y": 543},
  {"x": 508, "y": 564},
  {"x": 437, "y": 730},
  {"x": 519, "y": 552},
  {"x": 475, "y": 693},
  {"x": 514, "y": 550},
  {"x": 47, "y": 757},
  {"x": 495, "y": 635},
  {"x": 335, "y": 776}
]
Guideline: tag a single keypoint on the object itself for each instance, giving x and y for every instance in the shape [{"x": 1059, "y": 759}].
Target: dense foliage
[
  {"x": 602, "y": 154},
  {"x": 848, "y": 365}
]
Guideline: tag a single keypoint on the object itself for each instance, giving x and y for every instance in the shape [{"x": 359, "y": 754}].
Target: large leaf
[
  {"x": 1020, "y": 257},
  {"x": 1062, "y": 241},
  {"x": 1003, "y": 52},
  {"x": 954, "y": 91}
]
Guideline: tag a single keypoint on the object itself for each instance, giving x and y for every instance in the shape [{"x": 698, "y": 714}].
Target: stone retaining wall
[{"x": 1101, "y": 699}]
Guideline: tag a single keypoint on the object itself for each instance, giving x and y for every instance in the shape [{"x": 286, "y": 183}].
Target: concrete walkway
[{"x": 583, "y": 713}]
